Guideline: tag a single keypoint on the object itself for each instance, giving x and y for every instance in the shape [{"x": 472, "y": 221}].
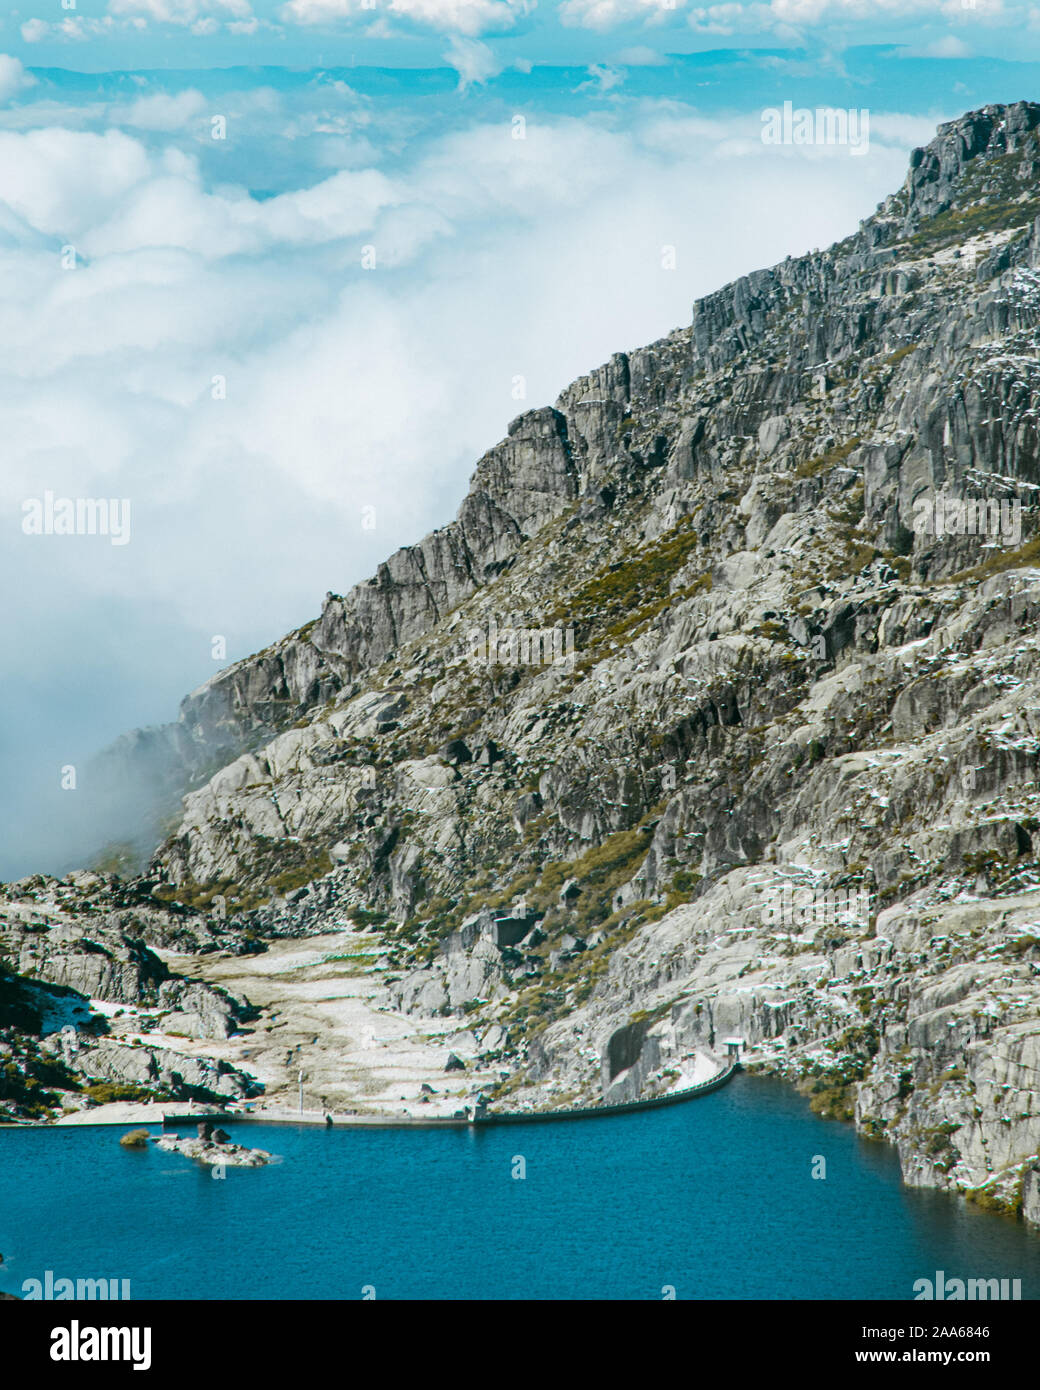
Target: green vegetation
[
  {"x": 363, "y": 917},
  {"x": 987, "y": 1200},
  {"x": 857, "y": 557},
  {"x": 939, "y": 1147},
  {"x": 600, "y": 871},
  {"x": 961, "y": 223},
  {"x": 821, "y": 462},
  {"x": 833, "y": 1102},
  {"x": 107, "y": 1092},
  {"x": 901, "y": 564},
  {"x": 1028, "y": 554},
  {"x": 249, "y": 892},
  {"x": 618, "y": 602},
  {"x": 300, "y": 875},
  {"x": 26, "y": 1079},
  {"x": 1021, "y": 945}
]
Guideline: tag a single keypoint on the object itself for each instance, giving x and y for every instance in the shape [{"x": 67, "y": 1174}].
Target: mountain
[{"x": 713, "y": 713}]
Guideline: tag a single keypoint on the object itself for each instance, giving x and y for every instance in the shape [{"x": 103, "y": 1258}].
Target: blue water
[{"x": 714, "y": 1198}]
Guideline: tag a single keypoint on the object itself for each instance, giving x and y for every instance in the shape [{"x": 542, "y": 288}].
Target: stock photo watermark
[
  {"x": 520, "y": 646},
  {"x": 947, "y": 514},
  {"x": 943, "y": 1289},
  {"x": 58, "y": 1289},
  {"x": 824, "y": 125},
  {"x": 77, "y": 516},
  {"x": 788, "y": 906},
  {"x": 79, "y": 1343}
]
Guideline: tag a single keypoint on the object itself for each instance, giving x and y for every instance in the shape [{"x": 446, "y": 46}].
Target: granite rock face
[
  {"x": 751, "y": 712},
  {"x": 82, "y": 987}
]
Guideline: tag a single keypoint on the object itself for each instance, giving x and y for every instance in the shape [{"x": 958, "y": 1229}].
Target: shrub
[{"x": 107, "y": 1092}]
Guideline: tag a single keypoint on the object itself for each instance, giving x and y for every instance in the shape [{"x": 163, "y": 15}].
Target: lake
[{"x": 714, "y": 1199}]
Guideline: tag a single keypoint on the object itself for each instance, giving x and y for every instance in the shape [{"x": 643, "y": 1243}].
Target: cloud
[
  {"x": 465, "y": 16},
  {"x": 71, "y": 28},
  {"x": 60, "y": 182},
  {"x": 949, "y": 46},
  {"x": 474, "y": 61},
  {"x": 641, "y": 57},
  {"x": 13, "y": 77},
  {"x": 785, "y": 18},
  {"x": 196, "y": 13},
  {"x": 468, "y": 17},
  {"x": 809, "y": 12},
  {"x": 609, "y": 14},
  {"x": 601, "y": 79},
  {"x": 162, "y": 111}
]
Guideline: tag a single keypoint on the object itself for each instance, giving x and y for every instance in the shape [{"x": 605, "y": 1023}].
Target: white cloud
[
  {"x": 162, "y": 111},
  {"x": 72, "y": 28},
  {"x": 62, "y": 181},
  {"x": 783, "y": 17},
  {"x": 187, "y": 12},
  {"x": 13, "y": 77},
  {"x": 471, "y": 17},
  {"x": 601, "y": 79},
  {"x": 805, "y": 12},
  {"x": 473, "y": 60},
  {"x": 948, "y": 47},
  {"x": 640, "y": 56},
  {"x": 465, "y": 16},
  {"x": 904, "y": 132},
  {"x": 608, "y": 14}
]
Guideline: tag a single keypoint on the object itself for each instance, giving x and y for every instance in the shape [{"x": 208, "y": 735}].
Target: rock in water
[{"x": 206, "y": 1151}]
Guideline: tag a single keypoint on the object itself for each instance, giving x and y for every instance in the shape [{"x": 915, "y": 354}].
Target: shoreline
[{"x": 131, "y": 1113}]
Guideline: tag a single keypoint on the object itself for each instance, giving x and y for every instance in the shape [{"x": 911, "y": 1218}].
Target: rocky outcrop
[
  {"x": 77, "y": 948},
  {"x": 171, "y": 1073},
  {"x": 213, "y": 1152}
]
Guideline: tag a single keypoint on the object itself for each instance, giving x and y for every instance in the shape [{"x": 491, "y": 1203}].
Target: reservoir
[{"x": 714, "y": 1199}]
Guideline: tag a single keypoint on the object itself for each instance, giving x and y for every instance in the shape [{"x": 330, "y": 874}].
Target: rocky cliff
[
  {"x": 87, "y": 1005},
  {"x": 714, "y": 712}
]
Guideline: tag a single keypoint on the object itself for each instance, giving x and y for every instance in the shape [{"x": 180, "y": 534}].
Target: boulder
[{"x": 455, "y": 752}]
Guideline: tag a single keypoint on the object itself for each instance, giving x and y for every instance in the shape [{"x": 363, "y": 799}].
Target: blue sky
[{"x": 356, "y": 398}]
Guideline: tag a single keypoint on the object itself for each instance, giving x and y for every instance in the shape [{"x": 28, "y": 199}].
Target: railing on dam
[{"x": 583, "y": 1112}]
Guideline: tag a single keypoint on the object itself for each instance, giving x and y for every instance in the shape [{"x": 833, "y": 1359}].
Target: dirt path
[{"x": 325, "y": 1009}]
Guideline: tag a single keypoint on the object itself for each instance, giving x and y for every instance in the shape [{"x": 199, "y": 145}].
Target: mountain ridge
[
  {"x": 298, "y": 670},
  {"x": 779, "y": 683}
]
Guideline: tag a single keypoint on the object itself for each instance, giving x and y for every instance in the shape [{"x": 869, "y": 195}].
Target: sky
[
  {"x": 108, "y": 34},
  {"x": 277, "y": 275}
]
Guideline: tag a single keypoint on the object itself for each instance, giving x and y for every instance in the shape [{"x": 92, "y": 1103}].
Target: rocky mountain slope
[
  {"x": 687, "y": 727},
  {"x": 89, "y": 1010}
]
